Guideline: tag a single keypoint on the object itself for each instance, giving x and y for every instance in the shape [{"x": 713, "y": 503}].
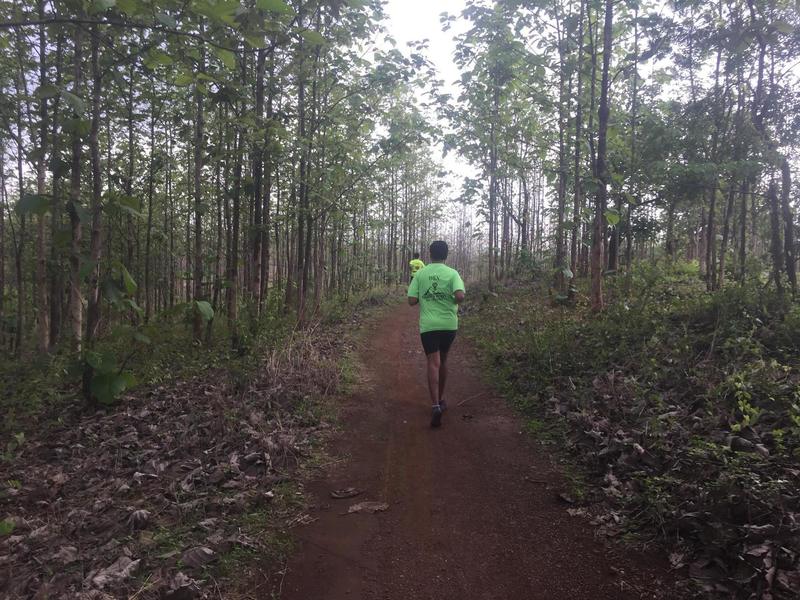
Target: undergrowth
[
  {"x": 193, "y": 479},
  {"x": 683, "y": 405},
  {"x": 39, "y": 389}
]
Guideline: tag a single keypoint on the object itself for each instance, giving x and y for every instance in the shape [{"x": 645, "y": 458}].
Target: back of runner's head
[
  {"x": 438, "y": 251},
  {"x": 416, "y": 254}
]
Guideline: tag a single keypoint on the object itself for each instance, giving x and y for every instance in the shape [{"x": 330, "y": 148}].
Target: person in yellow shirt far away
[{"x": 416, "y": 264}]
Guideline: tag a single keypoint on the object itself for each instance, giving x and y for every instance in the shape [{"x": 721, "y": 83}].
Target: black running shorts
[{"x": 437, "y": 341}]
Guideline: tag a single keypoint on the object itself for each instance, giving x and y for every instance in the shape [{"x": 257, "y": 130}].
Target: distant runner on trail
[
  {"x": 416, "y": 264},
  {"x": 438, "y": 290}
]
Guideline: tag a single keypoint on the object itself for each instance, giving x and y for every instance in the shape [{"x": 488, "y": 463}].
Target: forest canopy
[{"x": 210, "y": 154}]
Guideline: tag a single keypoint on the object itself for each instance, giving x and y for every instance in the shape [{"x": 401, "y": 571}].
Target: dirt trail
[{"x": 473, "y": 507}]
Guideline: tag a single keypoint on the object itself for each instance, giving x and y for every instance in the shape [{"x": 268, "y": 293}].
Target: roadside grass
[{"x": 680, "y": 408}]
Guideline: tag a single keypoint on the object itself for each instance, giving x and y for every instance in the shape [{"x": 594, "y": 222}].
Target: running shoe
[{"x": 436, "y": 416}]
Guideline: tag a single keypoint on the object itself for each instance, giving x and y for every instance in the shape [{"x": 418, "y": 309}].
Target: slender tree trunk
[
  {"x": 42, "y": 308},
  {"x": 578, "y": 182},
  {"x": 598, "y": 237},
  {"x": 233, "y": 272},
  {"x": 788, "y": 224},
  {"x": 95, "y": 242},
  {"x": 258, "y": 170},
  {"x": 743, "y": 231},
  {"x": 198, "y": 292},
  {"x": 75, "y": 296},
  {"x": 148, "y": 308},
  {"x": 493, "y": 184},
  {"x": 726, "y": 226},
  {"x": 776, "y": 245},
  {"x": 56, "y": 274}
]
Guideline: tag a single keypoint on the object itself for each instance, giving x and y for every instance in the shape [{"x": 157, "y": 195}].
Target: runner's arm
[
  {"x": 458, "y": 289},
  {"x": 413, "y": 292}
]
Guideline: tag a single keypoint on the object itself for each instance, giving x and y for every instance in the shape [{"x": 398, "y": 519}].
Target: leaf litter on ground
[{"x": 157, "y": 490}]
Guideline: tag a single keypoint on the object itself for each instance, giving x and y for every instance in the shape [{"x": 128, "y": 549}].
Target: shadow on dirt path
[{"x": 473, "y": 508}]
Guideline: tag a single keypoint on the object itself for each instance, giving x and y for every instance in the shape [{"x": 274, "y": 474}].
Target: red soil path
[{"x": 473, "y": 509}]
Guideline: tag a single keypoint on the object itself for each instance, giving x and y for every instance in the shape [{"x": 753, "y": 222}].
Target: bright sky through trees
[{"x": 416, "y": 20}]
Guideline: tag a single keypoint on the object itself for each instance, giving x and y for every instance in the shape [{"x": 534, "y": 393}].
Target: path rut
[{"x": 473, "y": 507}]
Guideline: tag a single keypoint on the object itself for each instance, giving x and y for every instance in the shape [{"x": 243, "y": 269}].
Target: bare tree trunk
[
  {"x": 578, "y": 183},
  {"x": 726, "y": 226},
  {"x": 258, "y": 170},
  {"x": 788, "y": 225},
  {"x": 598, "y": 237},
  {"x": 95, "y": 244},
  {"x": 56, "y": 295},
  {"x": 75, "y": 297},
  {"x": 148, "y": 308},
  {"x": 198, "y": 292},
  {"x": 776, "y": 245},
  {"x": 42, "y": 308}
]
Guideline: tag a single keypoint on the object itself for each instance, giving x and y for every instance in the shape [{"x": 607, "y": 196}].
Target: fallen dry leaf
[
  {"x": 370, "y": 507},
  {"x": 198, "y": 556},
  {"x": 350, "y": 492},
  {"x": 118, "y": 571}
]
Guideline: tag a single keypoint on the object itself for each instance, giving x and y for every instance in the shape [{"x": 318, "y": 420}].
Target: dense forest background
[
  {"x": 188, "y": 181},
  {"x": 211, "y": 155}
]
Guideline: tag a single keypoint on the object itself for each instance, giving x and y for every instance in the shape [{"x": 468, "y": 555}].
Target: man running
[
  {"x": 416, "y": 264},
  {"x": 438, "y": 290}
]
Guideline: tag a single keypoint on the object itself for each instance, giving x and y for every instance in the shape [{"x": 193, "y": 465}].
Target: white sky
[{"x": 416, "y": 20}]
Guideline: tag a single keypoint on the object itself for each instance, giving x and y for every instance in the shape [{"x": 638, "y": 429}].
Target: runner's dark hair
[
  {"x": 416, "y": 254},
  {"x": 438, "y": 250}
]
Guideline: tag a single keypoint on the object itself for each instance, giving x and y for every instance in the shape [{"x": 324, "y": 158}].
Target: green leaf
[
  {"x": 205, "y": 310},
  {"x": 129, "y": 202},
  {"x": 156, "y": 58},
  {"x": 612, "y": 216},
  {"x": 93, "y": 359},
  {"x": 183, "y": 79},
  {"x": 140, "y": 337},
  {"x": 86, "y": 268},
  {"x": 220, "y": 10},
  {"x": 46, "y": 90},
  {"x": 130, "y": 7},
  {"x": 783, "y": 26},
  {"x": 166, "y": 20},
  {"x": 77, "y": 105},
  {"x": 227, "y": 57},
  {"x": 123, "y": 203},
  {"x": 33, "y": 203},
  {"x": 99, "y": 6},
  {"x": 81, "y": 127},
  {"x": 112, "y": 292},
  {"x": 277, "y": 6},
  {"x": 356, "y": 3},
  {"x": 7, "y": 527},
  {"x": 254, "y": 40},
  {"x": 313, "y": 37},
  {"x": 107, "y": 387},
  {"x": 131, "y": 303},
  {"x": 127, "y": 280},
  {"x": 84, "y": 214}
]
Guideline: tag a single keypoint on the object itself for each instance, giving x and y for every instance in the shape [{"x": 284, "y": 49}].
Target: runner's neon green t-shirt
[
  {"x": 435, "y": 286},
  {"x": 416, "y": 264}
]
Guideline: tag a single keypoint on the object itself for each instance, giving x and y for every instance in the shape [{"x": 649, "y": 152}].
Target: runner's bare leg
[
  {"x": 434, "y": 368},
  {"x": 442, "y": 375}
]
